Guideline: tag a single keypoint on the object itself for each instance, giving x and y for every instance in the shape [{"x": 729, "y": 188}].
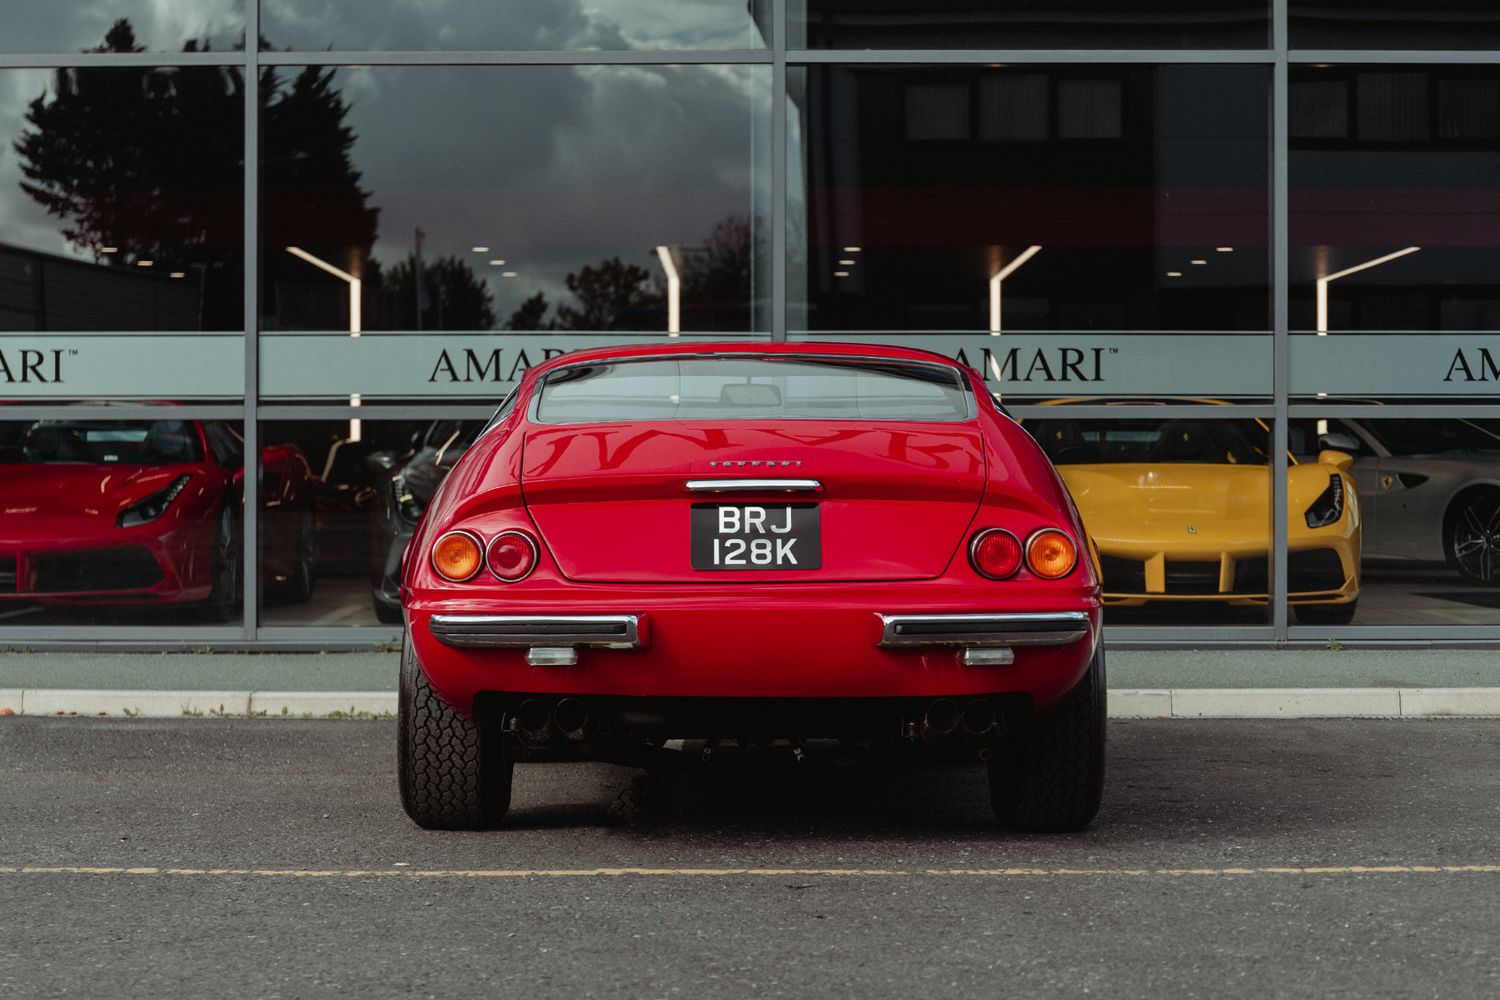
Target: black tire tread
[
  {"x": 448, "y": 781},
  {"x": 1050, "y": 776}
]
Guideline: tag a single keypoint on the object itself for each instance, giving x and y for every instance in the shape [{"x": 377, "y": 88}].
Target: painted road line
[
  {"x": 322, "y": 703},
  {"x": 1285, "y": 703},
  {"x": 573, "y": 873},
  {"x": 146, "y": 704}
]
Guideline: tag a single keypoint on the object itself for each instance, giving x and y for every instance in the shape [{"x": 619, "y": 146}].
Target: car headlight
[
  {"x": 408, "y": 505},
  {"x": 153, "y": 506},
  {"x": 1329, "y": 506}
]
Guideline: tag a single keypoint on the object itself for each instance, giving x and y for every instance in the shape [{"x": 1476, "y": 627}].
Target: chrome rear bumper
[
  {"x": 1000, "y": 629},
  {"x": 488, "y": 631}
]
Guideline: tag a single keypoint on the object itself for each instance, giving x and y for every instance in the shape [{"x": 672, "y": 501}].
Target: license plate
[{"x": 756, "y": 536}]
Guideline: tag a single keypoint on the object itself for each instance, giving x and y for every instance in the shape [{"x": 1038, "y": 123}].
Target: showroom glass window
[
  {"x": 1029, "y": 24},
  {"x": 1089, "y": 197},
  {"x": 515, "y": 25},
  {"x": 606, "y": 198}
]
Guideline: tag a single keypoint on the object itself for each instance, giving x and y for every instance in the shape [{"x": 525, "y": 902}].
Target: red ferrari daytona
[{"x": 754, "y": 542}]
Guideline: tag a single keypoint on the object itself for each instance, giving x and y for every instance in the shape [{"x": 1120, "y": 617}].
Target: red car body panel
[
  {"x": 60, "y": 533},
  {"x": 606, "y": 503}
]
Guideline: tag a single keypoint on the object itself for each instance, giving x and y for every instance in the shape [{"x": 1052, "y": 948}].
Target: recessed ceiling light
[
  {"x": 507, "y": 274},
  {"x": 1174, "y": 274},
  {"x": 145, "y": 263},
  {"x": 480, "y": 249},
  {"x": 841, "y": 274},
  {"x": 847, "y": 262},
  {"x": 1225, "y": 249},
  {"x": 853, "y": 249},
  {"x": 178, "y": 274},
  {"x": 109, "y": 249},
  {"x": 1200, "y": 263},
  {"x": 496, "y": 263}
]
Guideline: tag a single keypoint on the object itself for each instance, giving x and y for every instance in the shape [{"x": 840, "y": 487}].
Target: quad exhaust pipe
[{"x": 945, "y": 719}]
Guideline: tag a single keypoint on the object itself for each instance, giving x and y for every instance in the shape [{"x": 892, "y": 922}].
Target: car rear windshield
[
  {"x": 750, "y": 387},
  {"x": 1156, "y": 442},
  {"x": 154, "y": 442}
]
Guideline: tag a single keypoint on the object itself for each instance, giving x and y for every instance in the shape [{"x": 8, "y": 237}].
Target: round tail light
[
  {"x": 1051, "y": 554},
  {"x": 995, "y": 553},
  {"x": 456, "y": 556},
  {"x": 511, "y": 556}
]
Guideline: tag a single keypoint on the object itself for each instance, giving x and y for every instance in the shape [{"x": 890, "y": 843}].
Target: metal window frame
[{"x": 783, "y": 60}]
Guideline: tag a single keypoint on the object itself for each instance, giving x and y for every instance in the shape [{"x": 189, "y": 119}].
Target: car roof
[{"x": 749, "y": 347}]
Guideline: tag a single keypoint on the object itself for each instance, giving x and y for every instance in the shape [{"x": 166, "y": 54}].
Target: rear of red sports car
[{"x": 751, "y": 542}]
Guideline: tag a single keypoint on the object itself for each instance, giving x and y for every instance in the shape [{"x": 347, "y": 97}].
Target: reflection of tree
[
  {"x": 147, "y": 160},
  {"x": 151, "y": 161},
  {"x": 455, "y": 299},
  {"x": 316, "y": 201},
  {"x": 530, "y": 315},
  {"x": 613, "y": 295},
  {"x": 606, "y": 294}
]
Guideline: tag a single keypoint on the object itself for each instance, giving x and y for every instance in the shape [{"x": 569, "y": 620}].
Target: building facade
[{"x": 1209, "y": 251}]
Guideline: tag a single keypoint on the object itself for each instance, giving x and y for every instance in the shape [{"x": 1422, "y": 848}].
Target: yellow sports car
[{"x": 1180, "y": 510}]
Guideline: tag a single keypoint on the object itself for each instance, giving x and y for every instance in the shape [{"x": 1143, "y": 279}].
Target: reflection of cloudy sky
[
  {"x": 22, "y": 221},
  {"x": 160, "y": 25},
  {"x": 385, "y": 25},
  {"x": 554, "y": 167}
]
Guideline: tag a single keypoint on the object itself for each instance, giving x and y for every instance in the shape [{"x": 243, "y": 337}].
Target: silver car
[{"x": 1429, "y": 489}]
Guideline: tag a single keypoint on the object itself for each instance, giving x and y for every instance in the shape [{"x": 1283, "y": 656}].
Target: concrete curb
[
  {"x": 196, "y": 704},
  {"x": 1127, "y": 703}
]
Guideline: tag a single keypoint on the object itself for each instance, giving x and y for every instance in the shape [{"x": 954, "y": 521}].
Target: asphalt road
[{"x": 887, "y": 879}]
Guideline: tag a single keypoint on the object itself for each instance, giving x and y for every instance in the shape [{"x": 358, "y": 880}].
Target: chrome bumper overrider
[
  {"x": 1056, "y": 628},
  {"x": 483, "y": 631}
]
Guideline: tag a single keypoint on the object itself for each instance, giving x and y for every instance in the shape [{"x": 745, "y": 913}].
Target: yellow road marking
[{"x": 439, "y": 873}]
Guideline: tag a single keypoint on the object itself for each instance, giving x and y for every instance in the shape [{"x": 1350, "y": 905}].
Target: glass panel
[
  {"x": 121, "y": 200},
  {"x": 1029, "y": 24},
  {"x": 1073, "y": 198},
  {"x": 738, "y": 387},
  {"x": 393, "y": 25},
  {"x": 1179, "y": 508},
  {"x": 1394, "y": 24},
  {"x": 543, "y": 198},
  {"x": 121, "y": 521},
  {"x": 333, "y": 558},
  {"x": 123, "y": 26},
  {"x": 1394, "y": 211},
  {"x": 1429, "y": 511}
]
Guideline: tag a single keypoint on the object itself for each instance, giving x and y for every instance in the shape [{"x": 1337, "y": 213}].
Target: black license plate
[{"x": 756, "y": 536}]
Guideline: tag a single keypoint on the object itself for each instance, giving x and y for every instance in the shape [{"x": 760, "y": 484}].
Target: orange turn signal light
[
  {"x": 1051, "y": 554},
  {"x": 457, "y": 556}
]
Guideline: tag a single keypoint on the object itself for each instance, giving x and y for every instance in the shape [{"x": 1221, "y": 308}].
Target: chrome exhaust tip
[
  {"x": 941, "y": 719},
  {"x": 534, "y": 720},
  {"x": 570, "y": 716},
  {"x": 979, "y": 717}
]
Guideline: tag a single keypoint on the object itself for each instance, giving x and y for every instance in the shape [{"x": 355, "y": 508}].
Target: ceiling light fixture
[
  {"x": 480, "y": 249},
  {"x": 1001, "y": 275},
  {"x": 674, "y": 291},
  {"x": 1323, "y": 283}
]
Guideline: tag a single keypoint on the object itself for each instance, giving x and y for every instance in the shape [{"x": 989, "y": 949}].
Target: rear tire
[
  {"x": 224, "y": 574},
  {"x": 1049, "y": 778},
  {"x": 453, "y": 774}
]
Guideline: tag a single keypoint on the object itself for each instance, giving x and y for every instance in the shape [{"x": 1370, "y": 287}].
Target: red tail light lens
[
  {"x": 511, "y": 556},
  {"x": 1051, "y": 554},
  {"x": 456, "y": 556},
  {"x": 995, "y": 553}
]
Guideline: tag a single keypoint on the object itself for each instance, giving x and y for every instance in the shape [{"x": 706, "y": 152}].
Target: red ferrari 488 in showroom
[
  {"x": 103, "y": 513},
  {"x": 756, "y": 543}
]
